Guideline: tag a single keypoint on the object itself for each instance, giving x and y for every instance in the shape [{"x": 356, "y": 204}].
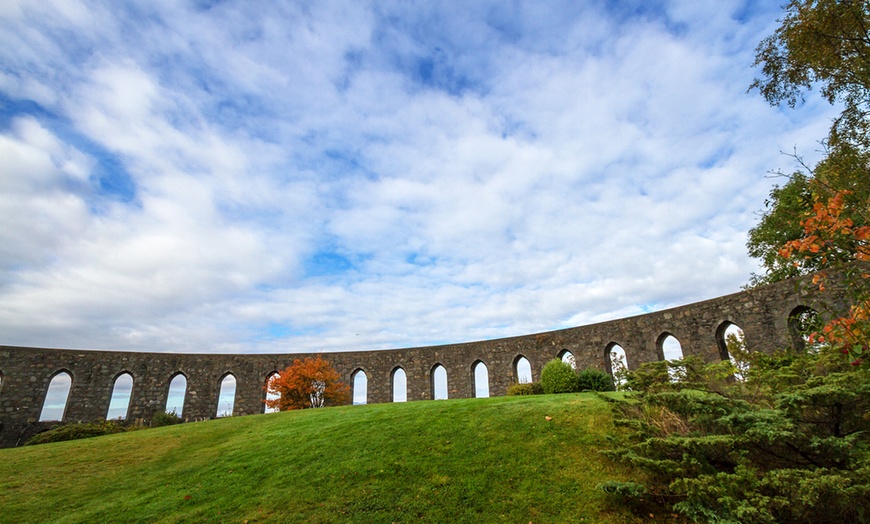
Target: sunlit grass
[{"x": 476, "y": 460}]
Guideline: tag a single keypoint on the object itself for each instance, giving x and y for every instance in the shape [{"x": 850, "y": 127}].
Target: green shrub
[
  {"x": 667, "y": 375},
  {"x": 650, "y": 376},
  {"x": 162, "y": 418},
  {"x": 558, "y": 377},
  {"x": 76, "y": 431},
  {"x": 595, "y": 380},
  {"x": 789, "y": 443},
  {"x": 526, "y": 388},
  {"x": 623, "y": 489}
]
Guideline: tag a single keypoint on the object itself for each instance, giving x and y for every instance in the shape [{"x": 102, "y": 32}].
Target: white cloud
[{"x": 458, "y": 171}]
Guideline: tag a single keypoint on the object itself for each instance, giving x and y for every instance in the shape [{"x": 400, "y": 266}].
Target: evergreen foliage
[
  {"x": 790, "y": 443},
  {"x": 594, "y": 380}
]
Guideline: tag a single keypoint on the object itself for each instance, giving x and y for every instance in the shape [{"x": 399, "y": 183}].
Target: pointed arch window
[
  {"x": 56, "y": 398},
  {"x": 270, "y": 395},
  {"x": 732, "y": 347},
  {"x": 522, "y": 370},
  {"x": 481, "y": 380},
  {"x": 802, "y": 322},
  {"x": 567, "y": 357},
  {"x": 400, "y": 385},
  {"x": 119, "y": 405},
  {"x": 439, "y": 382},
  {"x": 177, "y": 393},
  {"x": 616, "y": 363},
  {"x": 360, "y": 383},
  {"x": 227, "y": 396},
  {"x": 669, "y": 348}
]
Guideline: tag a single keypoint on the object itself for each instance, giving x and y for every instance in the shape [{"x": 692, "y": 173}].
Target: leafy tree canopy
[
  {"x": 307, "y": 383},
  {"x": 822, "y": 43},
  {"x": 825, "y": 42}
]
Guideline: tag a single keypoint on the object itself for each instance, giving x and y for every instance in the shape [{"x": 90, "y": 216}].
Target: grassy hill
[{"x": 474, "y": 460}]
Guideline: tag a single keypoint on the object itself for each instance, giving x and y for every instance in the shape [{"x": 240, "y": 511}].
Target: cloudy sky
[{"x": 305, "y": 176}]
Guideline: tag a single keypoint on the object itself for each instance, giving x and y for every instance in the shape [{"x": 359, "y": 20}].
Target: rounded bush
[
  {"x": 162, "y": 418},
  {"x": 526, "y": 388},
  {"x": 558, "y": 377},
  {"x": 595, "y": 380}
]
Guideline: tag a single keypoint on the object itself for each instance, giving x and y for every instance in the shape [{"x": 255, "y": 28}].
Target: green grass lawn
[{"x": 475, "y": 460}]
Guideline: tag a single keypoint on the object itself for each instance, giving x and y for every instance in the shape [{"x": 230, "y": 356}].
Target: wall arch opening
[
  {"x": 802, "y": 322},
  {"x": 668, "y": 347},
  {"x": 56, "y": 397},
  {"x": 176, "y": 394},
  {"x": 270, "y": 395},
  {"x": 567, "y": 357},
  {"x": 616, "y": 363},
  {"x": 439, "y": 382},
  {"x": 360, "y": 382},
  {"x": 119, "y": 404},
  {"x": 732, "y": 347},
  {"x": 481, "y": 379},
  {"x": 522, "y": 370},
  {"x": 226, "y": 396},
  {"x": 399, "y": 383}
]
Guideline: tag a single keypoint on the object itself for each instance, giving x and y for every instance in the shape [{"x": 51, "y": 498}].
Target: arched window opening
[
  {"x": 360, "y": 387},
  {"x": 177, "y": 393},
  {"x": 481, "y": 380},
  {"x": 120, "y": 402},
  {"x": 522, "y": 370},
  {"x": 227, "y": 396},
  {"x": 400, "y": 385},
  {"x": 568, "y": 358},
  {"x": 56, "y": 398},
  {"x": 669, "y": 348},
  {"x": 616, "y": 364},
  {"x": 270, "y": 395},
  {"x": 439, "y": 382},
  {"x": 732, "y": 347},
  {"x": 802, "y": 322}
]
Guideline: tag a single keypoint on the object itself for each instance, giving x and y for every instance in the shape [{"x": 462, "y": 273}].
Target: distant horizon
[{"x": 280, "y": 177}]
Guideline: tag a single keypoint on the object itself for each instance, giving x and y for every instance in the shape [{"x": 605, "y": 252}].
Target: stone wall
[{"x": 25, "y": 373}]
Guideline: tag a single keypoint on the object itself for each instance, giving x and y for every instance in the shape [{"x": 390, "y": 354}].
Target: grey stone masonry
[{"x": 25, "y": 373}]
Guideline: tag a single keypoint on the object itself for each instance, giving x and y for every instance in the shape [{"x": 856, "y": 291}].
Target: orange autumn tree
[
  {"x": 307, "y": 383},
  {"x": 831, "y": 233}
]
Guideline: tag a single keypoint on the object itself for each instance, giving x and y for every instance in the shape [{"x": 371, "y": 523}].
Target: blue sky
[{"x": 297, "y": 176}]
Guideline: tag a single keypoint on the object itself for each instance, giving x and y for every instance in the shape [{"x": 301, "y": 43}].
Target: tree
[
  {"x": 779, "y": 224},
  {"x": 738, "y": 355},
  {"x": 834, "y": 237},
  {"x": 307, "y": 383},
  {"x": 789, "y": 441},
  {"x": 558, "y": 377},
  {"x": 619, "y": 369},
  {"x": 826, "y": 43}
]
